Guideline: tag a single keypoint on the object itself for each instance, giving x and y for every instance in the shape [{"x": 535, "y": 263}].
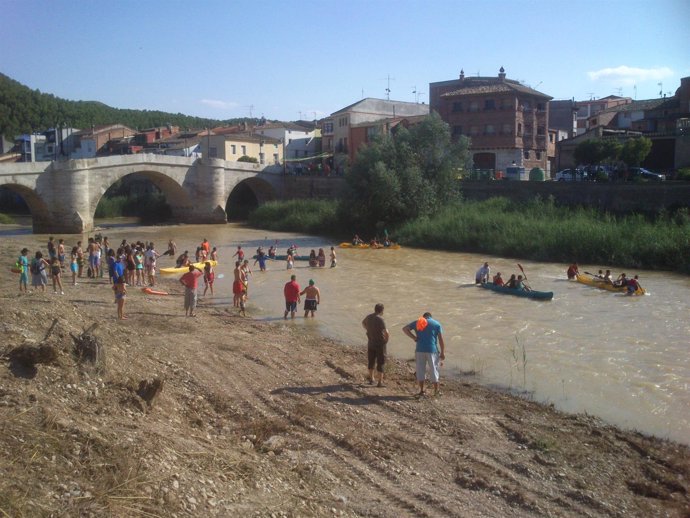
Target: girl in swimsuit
[{"x": 120, "y": 294}]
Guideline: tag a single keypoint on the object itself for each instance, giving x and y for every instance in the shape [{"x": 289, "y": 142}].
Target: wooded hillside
[{"x": 23, "y": 110}]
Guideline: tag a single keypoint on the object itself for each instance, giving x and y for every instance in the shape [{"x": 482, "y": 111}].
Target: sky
[{"x": 305, "y": 59}]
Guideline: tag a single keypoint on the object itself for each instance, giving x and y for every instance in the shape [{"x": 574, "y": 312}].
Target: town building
[
  {"x": 345, "y": 143},
  {"x": 666, "y": 121},
  {"x": 506, "y": 121},
  {"x": 92, "y": 143},
  {"x": 300, "y": 142},
  {"x": 235, "y": 146}
]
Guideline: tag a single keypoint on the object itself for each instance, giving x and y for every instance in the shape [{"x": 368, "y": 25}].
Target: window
[
  {"x": 528, "y": 130},
  {"x": 527, "y": 154},
  {"x": 526, "y": 105},
  {"x": 213, "y": 152},
  {"x": 489, "y": 129},
  {"x": 538, "y": 155},
  {"x": 275, "y": 158},
  {"x": 474, "y": 130},
  {"x": 372, "y": 132},
  {"x": 474, "y": 106},
  {"x": 457, "y": 106},
  {"x": 507, "y": 129},
  {"x": 296, "y": 154},
  {"x": 519, "y": 129},
  {"x": 233, "y": 149},
  {"x": 489, "y": 104},
  {"x": 551, "y": 137},
  {"x": 244, "y": 150},
  {"x": 541, "y": 130},
  {"x": 457, "y": 131},
  {"x": 507, "y": 104}
]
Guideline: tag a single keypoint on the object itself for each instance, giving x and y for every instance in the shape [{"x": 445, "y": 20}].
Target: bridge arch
[
  {"x": 40, "y": 213},
  {"x": 248, "y": 194},
  {"x": 175, "y": 194}
]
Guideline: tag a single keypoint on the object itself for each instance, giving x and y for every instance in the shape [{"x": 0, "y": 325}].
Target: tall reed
[{"x": 541, "y": 231}]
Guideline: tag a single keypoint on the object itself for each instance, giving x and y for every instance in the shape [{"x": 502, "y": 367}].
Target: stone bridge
[{"x": 63, "y": 195}]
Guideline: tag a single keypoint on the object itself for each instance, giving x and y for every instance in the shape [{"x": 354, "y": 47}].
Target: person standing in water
[{"x": 312, "y": 298}]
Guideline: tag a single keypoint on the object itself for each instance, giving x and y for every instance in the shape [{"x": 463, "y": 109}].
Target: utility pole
[{"x": 416, "y": 94}]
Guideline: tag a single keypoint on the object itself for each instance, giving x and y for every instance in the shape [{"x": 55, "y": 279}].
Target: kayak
[
  {"x": 363, "y": 246},
  {"x": 151, "y": 291},
  {"x": 185, "y": 269},
  {"x": 597, "y": 283},
  {"x": 539, "y": 295}
]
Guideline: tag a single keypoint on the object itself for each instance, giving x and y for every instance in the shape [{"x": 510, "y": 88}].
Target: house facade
[
  {"x": 300, "y": 142},
  {"x": 346, "y": 143},
  {"x": 506, "y": 121},
  {"x": 233, "y": 146}
]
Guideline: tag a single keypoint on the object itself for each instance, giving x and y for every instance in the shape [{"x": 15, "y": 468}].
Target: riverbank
[
  {"x": 536, "y": 230},
  {"x": 258, "y": 419}
]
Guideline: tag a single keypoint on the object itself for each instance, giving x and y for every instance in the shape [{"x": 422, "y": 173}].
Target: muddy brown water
[{"x": 623, "y": 359}]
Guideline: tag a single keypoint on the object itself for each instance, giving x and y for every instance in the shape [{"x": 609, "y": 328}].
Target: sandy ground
[{"x": 255, "y": 419}]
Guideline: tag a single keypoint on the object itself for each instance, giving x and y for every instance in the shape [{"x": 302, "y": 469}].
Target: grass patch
[
  {"x": 307, "y": 216},
  {"x": 5, "y": 219},
  {"x": 149, "y": 207}
]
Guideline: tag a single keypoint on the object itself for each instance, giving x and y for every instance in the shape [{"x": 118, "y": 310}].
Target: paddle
[{"x": 524, "y": 276}]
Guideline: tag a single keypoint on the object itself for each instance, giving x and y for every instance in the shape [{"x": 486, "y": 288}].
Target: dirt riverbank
[{"x": 256, "y": 419}]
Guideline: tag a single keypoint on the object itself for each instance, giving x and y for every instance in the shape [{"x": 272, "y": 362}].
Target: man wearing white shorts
[{"x": 430, "y": 348}]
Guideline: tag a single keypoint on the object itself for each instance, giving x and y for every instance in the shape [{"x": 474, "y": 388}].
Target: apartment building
[
  {"x": 233, "y": 146},
  {"x": 506, "y": 121}
]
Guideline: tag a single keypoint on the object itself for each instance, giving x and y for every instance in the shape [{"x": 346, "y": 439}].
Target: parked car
[
  {"x": 640, "y": 173},
  {"x": 571, "y": 175}
]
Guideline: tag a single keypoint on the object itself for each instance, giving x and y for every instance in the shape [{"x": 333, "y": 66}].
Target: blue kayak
[{"x": 539, "y": 295}]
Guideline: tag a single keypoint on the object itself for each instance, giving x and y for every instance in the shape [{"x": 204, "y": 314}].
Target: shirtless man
[{"x": 312, "y": 298}]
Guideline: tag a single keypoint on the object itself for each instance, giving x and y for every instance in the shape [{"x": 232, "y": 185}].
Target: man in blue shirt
[{"x": 430, "y": 349}]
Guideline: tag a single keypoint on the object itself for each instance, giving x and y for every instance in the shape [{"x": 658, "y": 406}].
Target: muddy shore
[{"x": 219, "y": 415}]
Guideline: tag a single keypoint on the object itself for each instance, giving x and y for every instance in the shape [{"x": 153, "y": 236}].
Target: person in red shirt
[
  {"x": 190, "y": 281},
  {"x": 292, "y": 298}
]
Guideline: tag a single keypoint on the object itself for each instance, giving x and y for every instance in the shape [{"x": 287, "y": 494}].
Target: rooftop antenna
[
  {"x": 416, "y": 94},
  {"x": 251, "y": 108},
  {"x": 591, "y": 95},
  {"x": 300, "y": 115},
  {"x": 388, "y": 87},
  {"x": 620, "y": 91},
  {"x": 535, "y": 87},
  {"x": 635, "y": 90},
  {"x": 661, "y": 88}
]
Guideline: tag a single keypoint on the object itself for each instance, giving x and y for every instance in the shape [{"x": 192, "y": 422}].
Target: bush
[{"x": 683, "y": 174}]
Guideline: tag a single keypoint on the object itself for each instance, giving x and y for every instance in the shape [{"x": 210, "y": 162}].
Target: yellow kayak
[
  {"x": 597, "y": 283},
  {"x": 363, "y": 246},
  {"x": 185, "y": 269}
]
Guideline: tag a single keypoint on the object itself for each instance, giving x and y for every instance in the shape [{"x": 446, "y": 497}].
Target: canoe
[
  {"x": 539, "y": 295},
  {"x": 185, "y": 269},
  {"x": 151, "y": 291},
  {"x": 597, "y": 283},
  {"x": 363, "y": 246}
]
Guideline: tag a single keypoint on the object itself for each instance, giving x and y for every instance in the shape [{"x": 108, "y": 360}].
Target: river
[{"x": 623, "y": 359}]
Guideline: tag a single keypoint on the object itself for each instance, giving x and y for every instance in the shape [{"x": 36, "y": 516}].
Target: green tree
[
  {"x": 635, "y": 150},
  {"x": 595, "y": 151},
  {"x": 404, "y": 176}
]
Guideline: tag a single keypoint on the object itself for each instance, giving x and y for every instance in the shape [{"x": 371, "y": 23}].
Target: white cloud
[
  {"x": 219, "y": 105},
  {"x": 628, "y": 76}
]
